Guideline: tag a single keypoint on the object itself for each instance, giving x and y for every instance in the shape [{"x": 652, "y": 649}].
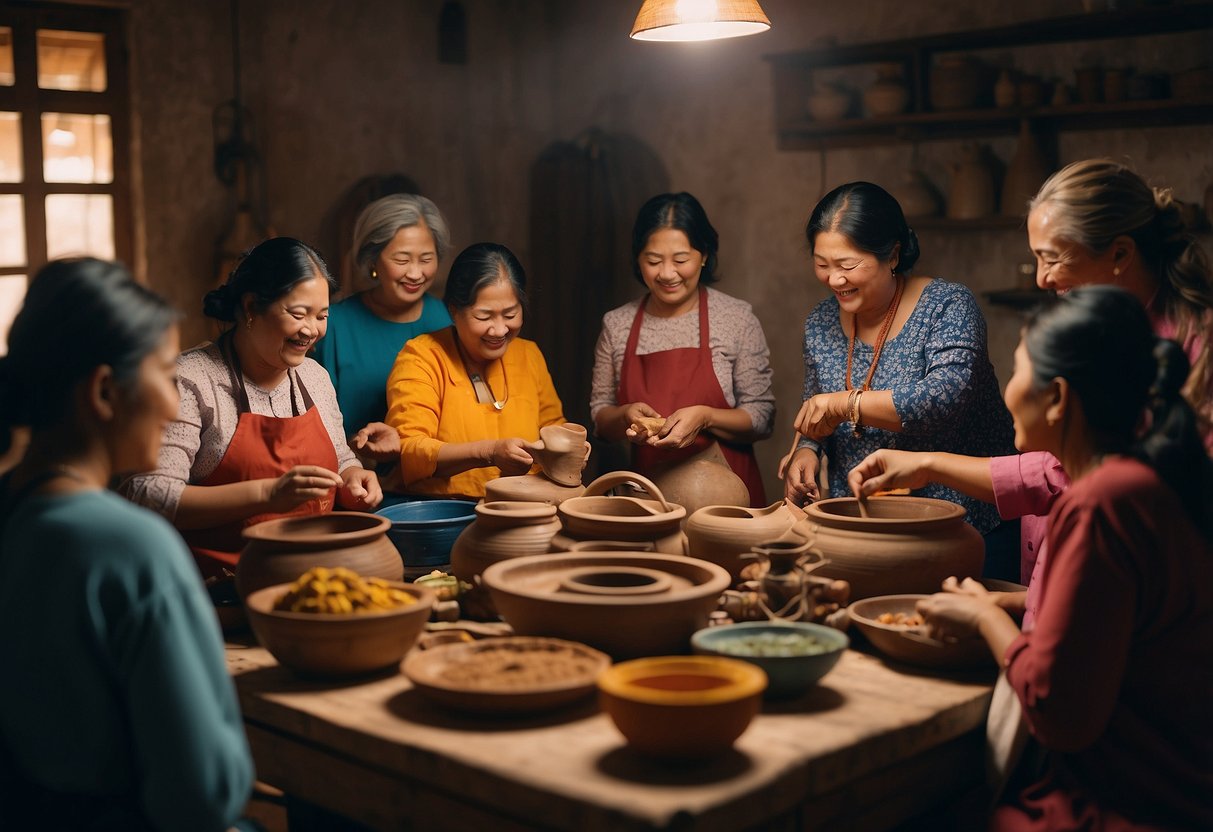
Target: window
[{"x": 64, "y": 143}]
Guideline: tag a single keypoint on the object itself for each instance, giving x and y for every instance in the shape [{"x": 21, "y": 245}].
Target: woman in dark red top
[{"x": 1116, "y": 679}]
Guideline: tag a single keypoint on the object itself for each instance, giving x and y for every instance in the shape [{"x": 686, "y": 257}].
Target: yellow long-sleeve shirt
[{"x": 431, "y": 402}]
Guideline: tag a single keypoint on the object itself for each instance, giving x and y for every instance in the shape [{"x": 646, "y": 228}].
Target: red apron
[
  {"x": 262, "y": 447},
  {"x": 672, "y": 379}
]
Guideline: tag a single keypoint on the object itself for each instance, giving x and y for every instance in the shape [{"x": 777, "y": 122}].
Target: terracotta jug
[
  {"x": 916, "y": 195},
  {"x": 530, "y": 488},
  {"x": 1026, "y": 173},
  {"x": 562, "y": 452},
  {"x": 971, "y": 193},
  {"x": 704, "y": 479},
  {"x": 279, "y": 551},
  {"x": 723, "y": 534},
  {"x": 905, "y": 545},
  {"x": 595, "y": 516}
]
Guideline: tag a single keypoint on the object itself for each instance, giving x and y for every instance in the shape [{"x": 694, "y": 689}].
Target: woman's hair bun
[
  {"x": 1172, "y": 372},
  {"x": 910, "y": 252},
  {"x": 217, "y": 304}
]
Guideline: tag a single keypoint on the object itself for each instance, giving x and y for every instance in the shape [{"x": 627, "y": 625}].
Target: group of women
[{"x": 1112, "y": 661}]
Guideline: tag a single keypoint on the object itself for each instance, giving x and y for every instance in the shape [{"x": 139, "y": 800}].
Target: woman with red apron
[
  {"x": 223, "y": 466},
  {"x": 674, "y": 247}
]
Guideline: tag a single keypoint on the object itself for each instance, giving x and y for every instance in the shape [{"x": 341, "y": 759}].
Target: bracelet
[{"x": 856, "y": 425}]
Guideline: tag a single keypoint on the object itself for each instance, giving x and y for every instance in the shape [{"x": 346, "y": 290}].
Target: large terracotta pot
[
  {"x": 279, "y": 551},
  {"x": 905, "y": 545},
  {"x": 704, "y": 479},
  {"x": 530, "y": 488},
  {"x": 595, "y": 516},
  {"x": 722, "y": 534},
  {"x": 503, "y": 530}
]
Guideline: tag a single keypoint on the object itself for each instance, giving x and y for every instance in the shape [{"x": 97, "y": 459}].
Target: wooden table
[{"x": 869, "y": 747}]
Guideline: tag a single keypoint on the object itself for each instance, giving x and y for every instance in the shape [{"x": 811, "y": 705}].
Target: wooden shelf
[
  {"x": 793, "y": 78},
  {"x": 997, "y": 222},
  {"x": 1022, "y": 299}
]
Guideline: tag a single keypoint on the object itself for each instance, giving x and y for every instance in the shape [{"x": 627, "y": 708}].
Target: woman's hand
[
  {"x": 885, "y": 470},
  {"x": 820, "y": 415},
  {"x": 297, "y": 486},
  {"x": 360, "y": 489},
  {"x": 958, "y": 610},
  {"x": 799, "y": 473},
  {"x": 635, "y": 430},
  {"x": 512, "y": 456},
  {"x": 377, "y": 441},
  {"x": 682, "y": 426}
]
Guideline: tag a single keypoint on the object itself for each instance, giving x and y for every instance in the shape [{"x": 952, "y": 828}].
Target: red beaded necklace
[{"x": 885, "y": 325}]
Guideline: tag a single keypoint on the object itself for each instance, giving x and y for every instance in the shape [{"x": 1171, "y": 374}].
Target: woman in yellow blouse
[{"x": 468, "y": 401}]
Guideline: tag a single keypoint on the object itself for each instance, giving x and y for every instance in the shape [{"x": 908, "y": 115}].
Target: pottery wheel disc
[{"x": 616, "y": 580}]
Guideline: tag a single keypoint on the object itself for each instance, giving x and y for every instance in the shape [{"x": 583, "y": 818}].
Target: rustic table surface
[{"x": 872, "y": 745}]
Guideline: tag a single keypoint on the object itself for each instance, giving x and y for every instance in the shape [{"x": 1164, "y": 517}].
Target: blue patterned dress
[{"x": 944, "y": 389}]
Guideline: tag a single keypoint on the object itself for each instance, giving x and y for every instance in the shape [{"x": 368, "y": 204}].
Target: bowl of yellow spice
[{"x": 335, "y": 623}]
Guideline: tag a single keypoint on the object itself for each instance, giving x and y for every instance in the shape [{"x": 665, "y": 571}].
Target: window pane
[
  {"x": 10, "y": 147},
  {"x": 71, "y": 60},
  {"x": 12, "y": 295},
  {"x": 79, "y": 224},
  {"x": 77, "y": 148},
  {"x": 12, "y": 230},
  {"x": 6, "y": 57}
]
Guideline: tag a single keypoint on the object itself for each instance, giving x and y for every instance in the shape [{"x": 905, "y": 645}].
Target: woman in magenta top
[{"x": 1115, "y": 679}]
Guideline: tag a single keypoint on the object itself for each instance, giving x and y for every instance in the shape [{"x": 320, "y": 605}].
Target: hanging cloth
[
  {"x": 672, "y": 379},
  {"x": 262, "y": 447}
]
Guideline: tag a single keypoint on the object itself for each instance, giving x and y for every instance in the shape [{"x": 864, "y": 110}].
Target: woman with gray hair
[{"x": 399, "y": 241}]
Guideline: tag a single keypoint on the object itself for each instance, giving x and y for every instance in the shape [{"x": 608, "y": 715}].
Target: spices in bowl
[{"x": 793, "y": 654}]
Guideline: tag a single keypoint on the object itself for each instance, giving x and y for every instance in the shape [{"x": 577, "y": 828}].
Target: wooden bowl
[
  {"x": 332, "y": 646},
  {"x": 895, "y": 642},
  {"x": 682, "y": 706},
  {"x": 506, "y": 675}
]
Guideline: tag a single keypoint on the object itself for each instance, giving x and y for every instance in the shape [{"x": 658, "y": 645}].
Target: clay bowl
[
  {"x": 791, "y": 668},
  {"x": 506, "y": 675},
  {"x": 626, "y": 604},
  {"x": 529, "y": 488},
  {"x": 682, "y": 707},
  {"x": 906, "y": 544},
  {"x": 423, "y": 531},
  {"x": 896, "y": 643},
  {"x": 280, "y": 550},
  {"x": 335, "y": 646}
]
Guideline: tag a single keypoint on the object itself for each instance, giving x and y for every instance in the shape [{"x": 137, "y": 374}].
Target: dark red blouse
[{"x": 1116, "y": 679}]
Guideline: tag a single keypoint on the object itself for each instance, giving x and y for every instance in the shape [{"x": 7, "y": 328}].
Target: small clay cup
[{"x": 562, "y": 452}]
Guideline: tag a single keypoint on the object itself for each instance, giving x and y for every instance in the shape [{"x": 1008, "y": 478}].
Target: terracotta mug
[{"x": 562, "y": 452}]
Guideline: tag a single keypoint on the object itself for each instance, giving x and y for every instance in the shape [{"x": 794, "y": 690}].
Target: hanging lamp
[{"x": 686, "y": 20}]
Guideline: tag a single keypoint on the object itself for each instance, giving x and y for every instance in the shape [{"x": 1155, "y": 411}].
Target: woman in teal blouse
[{"x": 399, "y": 241}]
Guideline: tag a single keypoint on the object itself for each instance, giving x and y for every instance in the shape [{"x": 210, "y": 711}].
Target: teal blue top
[
  {"x": 360, "y": 349},
  {"x": 115, "y": 687}
]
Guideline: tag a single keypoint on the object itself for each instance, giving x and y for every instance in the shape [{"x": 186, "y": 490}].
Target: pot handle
[
  {"x": 612, "y": 546},
  {"x": 606, "y": 482}
]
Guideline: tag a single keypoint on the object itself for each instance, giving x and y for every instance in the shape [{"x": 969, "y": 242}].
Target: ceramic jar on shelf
[
  {"x": 971, "y": 192},
  {"x": 889, "y": 94},
  {"x": 1025, "y": 174}
]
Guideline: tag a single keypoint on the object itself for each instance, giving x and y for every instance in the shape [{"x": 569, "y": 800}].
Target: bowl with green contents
[{"x": 794, "y": 654}]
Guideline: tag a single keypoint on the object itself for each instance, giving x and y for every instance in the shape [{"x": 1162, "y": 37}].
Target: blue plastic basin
[{"x": 423, "y": 531}]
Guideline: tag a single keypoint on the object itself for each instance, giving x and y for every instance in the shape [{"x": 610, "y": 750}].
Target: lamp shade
[{"x": 683, "y": 20}]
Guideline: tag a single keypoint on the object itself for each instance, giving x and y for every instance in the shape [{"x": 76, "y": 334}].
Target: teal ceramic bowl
[
  {"x": 423, "y": 531},
  {"x": 809, "y": 651}
]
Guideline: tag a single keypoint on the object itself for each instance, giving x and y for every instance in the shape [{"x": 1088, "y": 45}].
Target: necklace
[
  {"x": 885, "y": 325},
  {"x": 477, "y": 379}
]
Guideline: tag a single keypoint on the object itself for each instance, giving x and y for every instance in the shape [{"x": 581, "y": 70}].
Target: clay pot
[
  {"x": 594, "y": 516},
  {"x": 906, "y": 545},
  {"x": 1026, "y": 173},
  {"x": 1089, "y": 81},
  {"x": 956, "y": 82},
  {"x": 722, "y": 534},
  {"x": 279, "y": 551},
  {"x": 562, "y": 452},
  {"x": 624, "y": 603},
  {"x": 971, "y": 193},
  {"x": 682, "y": 707},
  {"x": 889, "y": 94},
  {"x": 1004, "y": 90},
  {"x": 917, "y": 196},
  {"x": 828, "y": 102},
  {"x": 704, "y": 479},
  {"x": 529, "y": 488},
  {"x": 503, "y": 530}
]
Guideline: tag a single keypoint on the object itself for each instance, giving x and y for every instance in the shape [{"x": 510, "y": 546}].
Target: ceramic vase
[
  {"x": 724, "y": 534},
  {"x": 889, "y": 94},
  {"x": 704, "y": 479},
  {"x": 971, "y": 192},
  {"x": 1004, "y": 90},
  {"x": 916, "y": 195},
  {"x": 905, "y": 545},
  {"x": 280, "y": 550},
  {"x": 1026, "y": 173}
]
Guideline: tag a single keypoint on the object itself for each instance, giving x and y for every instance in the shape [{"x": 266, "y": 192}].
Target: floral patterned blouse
[{"x": 944, "y": 388}]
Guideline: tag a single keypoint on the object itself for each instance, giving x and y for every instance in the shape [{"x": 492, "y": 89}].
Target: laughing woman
[{"x": 258, "y": 434}]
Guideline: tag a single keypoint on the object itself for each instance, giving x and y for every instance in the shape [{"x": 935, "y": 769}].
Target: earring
[
  {"x": 374, "y": 274},
  {"x": 248, "y": 323},
  {"x": 1116, "y": 272}
]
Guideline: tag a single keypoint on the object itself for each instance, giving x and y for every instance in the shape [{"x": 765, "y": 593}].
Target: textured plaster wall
[{"x": 342, "y": 90}]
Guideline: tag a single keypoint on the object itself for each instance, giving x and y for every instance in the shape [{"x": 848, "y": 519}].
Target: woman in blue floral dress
[{"x": 892, "y": 360}]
